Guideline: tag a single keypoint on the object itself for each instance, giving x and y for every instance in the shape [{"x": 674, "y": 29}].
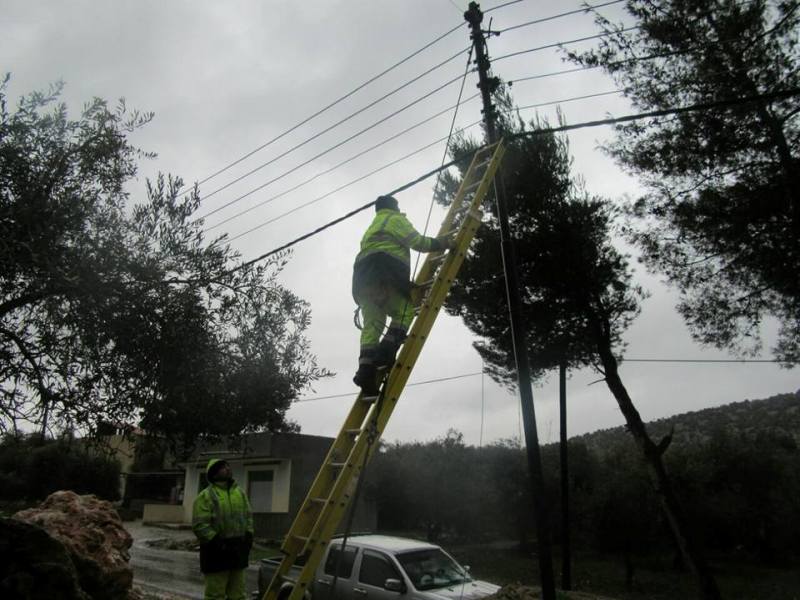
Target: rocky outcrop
[
  {"x": 93, "y": 534},
  {"x": 34, "y": 565}
]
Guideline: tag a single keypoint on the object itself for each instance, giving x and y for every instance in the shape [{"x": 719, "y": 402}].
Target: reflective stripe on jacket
[
  {"x": 223, "y": 512},
  {"x": 391, "y": 233}
]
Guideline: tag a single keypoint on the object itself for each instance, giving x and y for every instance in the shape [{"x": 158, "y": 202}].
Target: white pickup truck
[{"x": 379, "y": 567}]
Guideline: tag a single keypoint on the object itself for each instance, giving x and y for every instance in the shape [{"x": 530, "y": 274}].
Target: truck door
[
  {"x": 323, "y": 583},
  {"x": 376, "y": 568}
]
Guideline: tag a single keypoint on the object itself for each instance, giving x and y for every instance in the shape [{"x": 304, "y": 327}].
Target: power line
[
  {"x": 394, "y": 162},
  {"x": 793, "y": 92},
  {"x": 621, "y": 360},
  {"x": 340, "y": 188},
  {"x": 572, "y": 99},
  {"x": 585, "y": 9},
  {"x": 559, "y": 44},
  {"x": 326, "y": 151},
  {"x": 327, "y": 129},
  {"x": 342, "y": 163},
  {"x": 334, "y": 103},
  {"x": 499, "y": 6},
  {"x": 427, "y": 381},
  {"x": 553, "y": 74}
]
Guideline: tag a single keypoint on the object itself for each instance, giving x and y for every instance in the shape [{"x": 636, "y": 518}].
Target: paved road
[{"x": 173, "y": 572}]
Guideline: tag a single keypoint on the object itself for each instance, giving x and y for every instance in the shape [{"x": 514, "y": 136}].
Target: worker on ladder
[{"x": 382, "y": 286}]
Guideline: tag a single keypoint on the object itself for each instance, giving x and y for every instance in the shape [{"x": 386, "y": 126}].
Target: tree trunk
[{"x": 658, "y": 474}]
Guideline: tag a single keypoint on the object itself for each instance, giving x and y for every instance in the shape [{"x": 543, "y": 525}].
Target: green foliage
[
  {"x": 31, "y": 469},
  {"x": 741, "y": 486},
  {"x": 119, "y": 313},
  {"x": 721, "y": 215},
  {"x": 573, "y": 281}
]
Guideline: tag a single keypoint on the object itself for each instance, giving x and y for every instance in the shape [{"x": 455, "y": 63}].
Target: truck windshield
[{"x": 432, "y": 568}]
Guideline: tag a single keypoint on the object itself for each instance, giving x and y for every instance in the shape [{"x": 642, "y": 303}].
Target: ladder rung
[
  {"x": 302, "y": 538},
  {"x": 473, "y": 186},
  {"x": 328, "y": 498}
]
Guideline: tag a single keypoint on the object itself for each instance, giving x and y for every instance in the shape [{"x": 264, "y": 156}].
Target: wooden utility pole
[{"x": 487, "y": 85}]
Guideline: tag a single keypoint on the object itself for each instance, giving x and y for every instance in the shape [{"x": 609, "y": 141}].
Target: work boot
[
  {"x": 367, "y": 374},
  {"x": 390, "y": 344}
]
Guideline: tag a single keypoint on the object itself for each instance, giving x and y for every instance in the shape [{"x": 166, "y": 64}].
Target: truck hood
[{"x": 472, "y": 590}]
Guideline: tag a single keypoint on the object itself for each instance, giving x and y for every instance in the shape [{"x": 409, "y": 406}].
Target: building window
[{"x": 259, "y": 490}]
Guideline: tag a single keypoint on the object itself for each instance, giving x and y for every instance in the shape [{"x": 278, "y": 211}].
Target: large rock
[
  {"x": 34, "y": 565},
  {"x": 95, "y": 538}
]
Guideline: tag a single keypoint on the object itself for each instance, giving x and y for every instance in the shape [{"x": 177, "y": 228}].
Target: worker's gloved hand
[{"x": 446, "y": 242}]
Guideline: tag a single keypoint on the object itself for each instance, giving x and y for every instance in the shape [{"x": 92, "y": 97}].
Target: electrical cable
[
  {"x": 326, "y": 151},
  {"x": 394, "y": 162},
  {"x": 621, "y": 360},
  {"x": 342, "y": 163},
  {"x": 499, "y": 6},
  {"x": 340, "y": 188},
  {"x": 444, "y": 154},
  {"x": 382, "y": 143},
  {"x": 585, "y": 9},
  {"x": 565, "y": 100},
  {"x": 344, "y": 120},
  {"x": 332, "y": 104},
  {"x": 559, "y": 44},
  {"x": 782, "y": 94}
]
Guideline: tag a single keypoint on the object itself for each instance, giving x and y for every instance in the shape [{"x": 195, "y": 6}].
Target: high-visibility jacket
[
  {"x": 223, "y": 522},
  {"x": 391, "y": 233},
  {"x": 385, "y": 257}
]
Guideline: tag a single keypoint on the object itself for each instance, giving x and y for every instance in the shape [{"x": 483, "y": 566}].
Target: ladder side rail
[
  {"x": 343, "y": 485},
  {"x": 321, "y": 486},
  {"x": 429, "y": 264},
  {"x": 412, "y": 347},
  {"x": 402, "y": 367}
]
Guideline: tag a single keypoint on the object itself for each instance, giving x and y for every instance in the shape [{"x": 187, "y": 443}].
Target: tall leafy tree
[
  {"x": 721, "y": 214},
  {"x": 113, "y": 312},
  {"x": 577, "y": 289}
]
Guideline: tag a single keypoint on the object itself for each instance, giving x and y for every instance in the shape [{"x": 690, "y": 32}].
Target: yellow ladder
[{"x": 335, "y": 484}]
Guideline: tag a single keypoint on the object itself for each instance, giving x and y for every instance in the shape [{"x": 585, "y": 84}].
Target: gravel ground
[{"x": 169, "y": 574}]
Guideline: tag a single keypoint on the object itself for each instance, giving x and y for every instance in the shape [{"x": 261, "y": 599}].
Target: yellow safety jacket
[
  {"x": 391, "y": 233},
  {"x": 223, "y": 522},
  {"x": 385, "y": 256}
]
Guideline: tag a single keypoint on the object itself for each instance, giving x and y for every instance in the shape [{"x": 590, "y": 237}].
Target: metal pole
[{"x": 487, "y": 85}]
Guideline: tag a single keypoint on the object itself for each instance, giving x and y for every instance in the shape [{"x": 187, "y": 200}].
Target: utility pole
[
  {"x": 566, "y": 552},
  {"x": 487, "y": 85}
]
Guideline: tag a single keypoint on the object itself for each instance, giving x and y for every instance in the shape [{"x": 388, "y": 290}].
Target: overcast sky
[{"x": 224, "y": 78}]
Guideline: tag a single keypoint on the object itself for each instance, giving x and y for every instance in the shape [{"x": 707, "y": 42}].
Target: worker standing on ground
[
  {"x": 223, "y": 522},
  {"x": 382, "y": 286}
]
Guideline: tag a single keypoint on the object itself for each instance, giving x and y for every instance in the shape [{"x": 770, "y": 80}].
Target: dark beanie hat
[
  {"x": 214, "y": 469},
  {"x": 386, "y": 202}
]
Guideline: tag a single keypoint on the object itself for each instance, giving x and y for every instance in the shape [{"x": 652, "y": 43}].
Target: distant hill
[{"x": 779, "y": 413}]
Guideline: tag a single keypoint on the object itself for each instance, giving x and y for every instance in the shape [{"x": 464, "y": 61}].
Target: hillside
[{"x": 779, "y": 413}]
